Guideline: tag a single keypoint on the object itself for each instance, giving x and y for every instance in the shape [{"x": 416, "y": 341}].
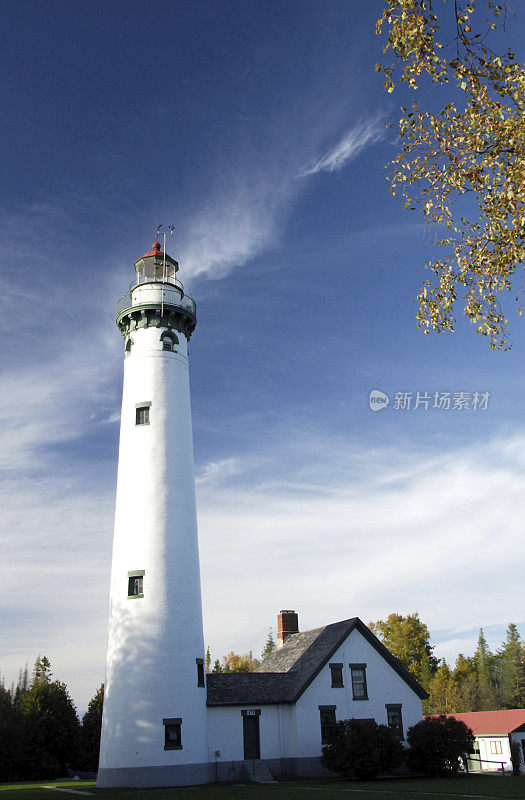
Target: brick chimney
[{"x": 287, "y": 623}]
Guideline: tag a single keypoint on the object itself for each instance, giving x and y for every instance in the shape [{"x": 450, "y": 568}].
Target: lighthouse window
[
  {"x": 169, "y": 340},
  {"x": 142, "y": 415},
  {"x": 172, "y": 734},
  {"x": 136, "y": 583}
]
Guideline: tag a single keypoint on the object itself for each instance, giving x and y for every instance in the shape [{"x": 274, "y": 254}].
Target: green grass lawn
[{"x": 464, "y": 786}]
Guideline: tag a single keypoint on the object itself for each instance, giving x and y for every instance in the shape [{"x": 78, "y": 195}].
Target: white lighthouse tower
[{"x": 154, "y": 721}]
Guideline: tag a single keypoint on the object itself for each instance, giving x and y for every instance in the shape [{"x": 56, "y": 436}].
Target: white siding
[
  {"x": 384, "y": 685},
  {"x": 225, "y": 731},
  {"x": 154, "y": 641},
  {"x": 490, "y": 760}
]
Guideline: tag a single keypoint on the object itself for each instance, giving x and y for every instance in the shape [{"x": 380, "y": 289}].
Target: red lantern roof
[{"x": 155, "y": 251}]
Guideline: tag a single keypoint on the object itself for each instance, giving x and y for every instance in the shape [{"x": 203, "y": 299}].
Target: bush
[
  {"x": 438, "y": 745},
  {"x": 362, "y": 749},
  {"x": 515, "y": 757}
]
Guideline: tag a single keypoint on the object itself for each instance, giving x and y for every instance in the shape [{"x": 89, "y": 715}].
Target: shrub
[
  {"x": 515, "y": 757},
  {"x": 438, "y": 745},
  {"x": 362, "y": 749}
]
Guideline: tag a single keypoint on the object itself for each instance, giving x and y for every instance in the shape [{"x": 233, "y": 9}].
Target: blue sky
[{"x": 258, "y": 130}]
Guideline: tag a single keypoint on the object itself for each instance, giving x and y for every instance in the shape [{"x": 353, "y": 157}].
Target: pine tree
[
  {"x": 21, "y": 687},
  {"x": 269, "y": 646},
  {"x": 217, "y": 667},
  {"x": 484, "y": 666},
  {"x": 207, "y": 659},
  {"x": 510, "y": 666},
  {"x": 42, "y": 671},
  {"x": 11, "y": 736},
  {"x": 51, "y": 723}
]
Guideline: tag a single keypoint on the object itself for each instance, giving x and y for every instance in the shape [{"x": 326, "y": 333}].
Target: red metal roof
[
  {"x": 492, "y": 723},
  {"x": 155, "y": 251}
]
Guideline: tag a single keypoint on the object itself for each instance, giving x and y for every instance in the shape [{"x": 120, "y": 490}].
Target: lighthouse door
[{"x": 250, "y": 727}]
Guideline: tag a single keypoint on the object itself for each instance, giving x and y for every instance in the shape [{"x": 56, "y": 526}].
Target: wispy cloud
[
  {"x": 242, "y": 221},
  {"x": 364, "y": 133},
  {"x": 246, "y": 214}
]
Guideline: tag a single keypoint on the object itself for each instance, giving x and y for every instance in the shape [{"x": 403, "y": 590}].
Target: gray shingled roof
[
  {"x": 287, "y": 671},
  {"x": 306, "y": 652},
  {"x": 231, "y": 688}
]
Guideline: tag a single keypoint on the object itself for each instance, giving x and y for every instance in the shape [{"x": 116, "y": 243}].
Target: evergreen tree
[
  {"x": 11, "y": 736},
  {"x": 269, "y": 646},
  {"x": 207, "y": 660},
  {"x": 484, "y": 666},
  {"x": 217, "y": 667},
  {"x": 42, "y": 671},
  {"x": 21, "y": 687},
  {"x": 52, "y": 726},
  {"x": 510, "y": 666},
  {"x": 90, "y": 732}
]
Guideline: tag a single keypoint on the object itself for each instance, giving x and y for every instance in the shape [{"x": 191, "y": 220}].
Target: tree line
[
  {"x": 234, "y": 662},
  {"x": 40, "y": 733},
  {"x": 484, "y": 681}
]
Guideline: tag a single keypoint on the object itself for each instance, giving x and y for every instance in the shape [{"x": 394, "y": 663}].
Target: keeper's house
[{"x": 276, "y": 720}]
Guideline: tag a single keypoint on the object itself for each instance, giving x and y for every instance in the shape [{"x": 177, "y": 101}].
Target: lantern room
[{"x": 156, "y": 266}]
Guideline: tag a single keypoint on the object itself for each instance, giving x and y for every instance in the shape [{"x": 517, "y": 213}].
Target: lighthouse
[{"x": 154, "y": 719}]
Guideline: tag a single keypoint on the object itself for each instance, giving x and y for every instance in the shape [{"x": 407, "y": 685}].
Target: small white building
[
  {"x": 275, "y": 721},
  {"x": 494, "y": 731}
]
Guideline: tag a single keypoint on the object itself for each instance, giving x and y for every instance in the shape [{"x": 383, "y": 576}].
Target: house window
[
  {"x": 136, "y": 583},
  {"x": 142, "y": 414},
  {"x": 495, "y": 748},
  {"x": 327, "y": 714},
  {"x": 359, "y": 690},
  {"x": 395, "y": 719},
  {"x": 337, "y": 675},
  {"x": 167, "y": 344},
  {"x": 200, "y": 671},
  {"x": 172, "y": 734}
]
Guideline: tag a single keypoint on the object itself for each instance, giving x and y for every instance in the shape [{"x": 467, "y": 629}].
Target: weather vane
[
  {"x": 164, "y": 277},
  {"x": 170, "y": 230}
]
